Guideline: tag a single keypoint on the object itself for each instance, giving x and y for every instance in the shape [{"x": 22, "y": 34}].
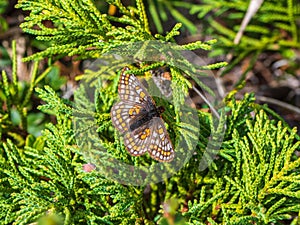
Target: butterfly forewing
[{"x": 130, "y": 89}]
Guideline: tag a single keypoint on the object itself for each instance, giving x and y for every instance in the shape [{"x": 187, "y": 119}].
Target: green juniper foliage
[
  {"x": 267, "y": 29},
  {"x": 274, "y": 27},
  {"x": 3, "y": 5},
  {"x": 160, "y": 10},
  {"x": 3, "y": 24},
  {"x": 79, "y": 28},
  {"x": 15, "y": 99},
  {"x": 254, "y": 179},
  {"x": 18, "y": 117}
]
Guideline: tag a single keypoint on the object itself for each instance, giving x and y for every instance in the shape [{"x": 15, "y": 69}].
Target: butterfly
[{"x": 138, "y": 119}]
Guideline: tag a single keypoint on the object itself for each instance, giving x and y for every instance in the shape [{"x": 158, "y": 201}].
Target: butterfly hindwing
[
  {"x": 152, "y": 137},
  {"x": 137, "y": 142},
  {"x": 160, "y": 147},
  {"x": 120, "y": 115}
]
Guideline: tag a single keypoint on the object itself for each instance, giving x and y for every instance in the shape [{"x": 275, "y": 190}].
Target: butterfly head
[{"x": 160, "y": 109}]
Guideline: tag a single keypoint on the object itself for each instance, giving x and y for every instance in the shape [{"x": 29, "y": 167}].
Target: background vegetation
[{"x": 44, "y": 178}]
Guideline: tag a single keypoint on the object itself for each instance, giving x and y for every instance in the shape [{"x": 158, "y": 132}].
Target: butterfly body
[
  {"x": 139, "y": 120},
  {"x": 146, "y": 115}
]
